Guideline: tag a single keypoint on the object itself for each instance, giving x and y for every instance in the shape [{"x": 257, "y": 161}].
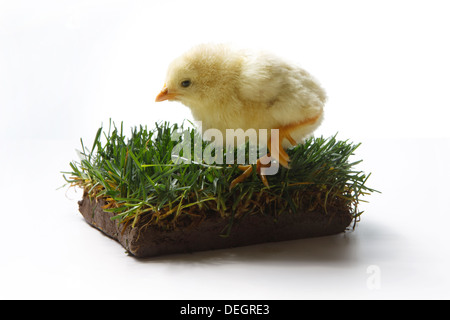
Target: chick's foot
[
  {"x": 277, "y": 152},
  {"x": 248, "y": 169}
]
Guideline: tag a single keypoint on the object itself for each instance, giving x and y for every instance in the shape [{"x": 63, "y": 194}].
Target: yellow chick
[{"x": 231, "y": 88}]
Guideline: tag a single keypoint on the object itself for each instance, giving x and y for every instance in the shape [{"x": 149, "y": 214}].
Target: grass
[{"x": 137, "y": 177}]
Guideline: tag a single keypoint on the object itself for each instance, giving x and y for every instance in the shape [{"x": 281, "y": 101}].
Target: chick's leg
[
  {"x": 276, "y": 151},
  {"x": 284, "y": 132}
]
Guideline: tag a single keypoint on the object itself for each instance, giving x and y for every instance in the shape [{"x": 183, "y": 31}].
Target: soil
[{"x": 145, "y": 240}]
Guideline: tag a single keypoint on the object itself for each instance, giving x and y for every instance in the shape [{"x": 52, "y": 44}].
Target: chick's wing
[{"x": 263, "y": 77}]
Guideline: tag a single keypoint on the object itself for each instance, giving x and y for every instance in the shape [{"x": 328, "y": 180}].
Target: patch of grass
[{"x": 137, "y": 177}]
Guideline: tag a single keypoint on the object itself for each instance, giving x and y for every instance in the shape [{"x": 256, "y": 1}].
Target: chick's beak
[{"x": 165, "y": 94}]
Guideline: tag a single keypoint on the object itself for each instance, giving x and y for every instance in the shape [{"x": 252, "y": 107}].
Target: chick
[{"x": 230, "y": 88}]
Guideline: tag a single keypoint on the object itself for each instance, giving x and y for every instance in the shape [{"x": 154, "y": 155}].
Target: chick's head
[{"x": 206, "y": 74}]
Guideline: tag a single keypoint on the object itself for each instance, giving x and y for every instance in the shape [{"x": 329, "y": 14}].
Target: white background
[{"x": 66, "y": 67}]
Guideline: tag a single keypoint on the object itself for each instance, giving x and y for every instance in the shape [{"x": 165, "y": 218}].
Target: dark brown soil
[{"x": 146, "y": 240}]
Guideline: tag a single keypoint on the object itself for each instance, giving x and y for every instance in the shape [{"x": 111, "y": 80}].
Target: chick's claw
[
  {"x": 248, "y": 169},
  {"x": 278, "y": 153},
  {"x": 247, "y": 172},
  {"x": 281, "y": 156}
]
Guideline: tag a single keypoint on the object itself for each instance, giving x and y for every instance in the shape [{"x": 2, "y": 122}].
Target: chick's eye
[{"x": 185, "y": 83}]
